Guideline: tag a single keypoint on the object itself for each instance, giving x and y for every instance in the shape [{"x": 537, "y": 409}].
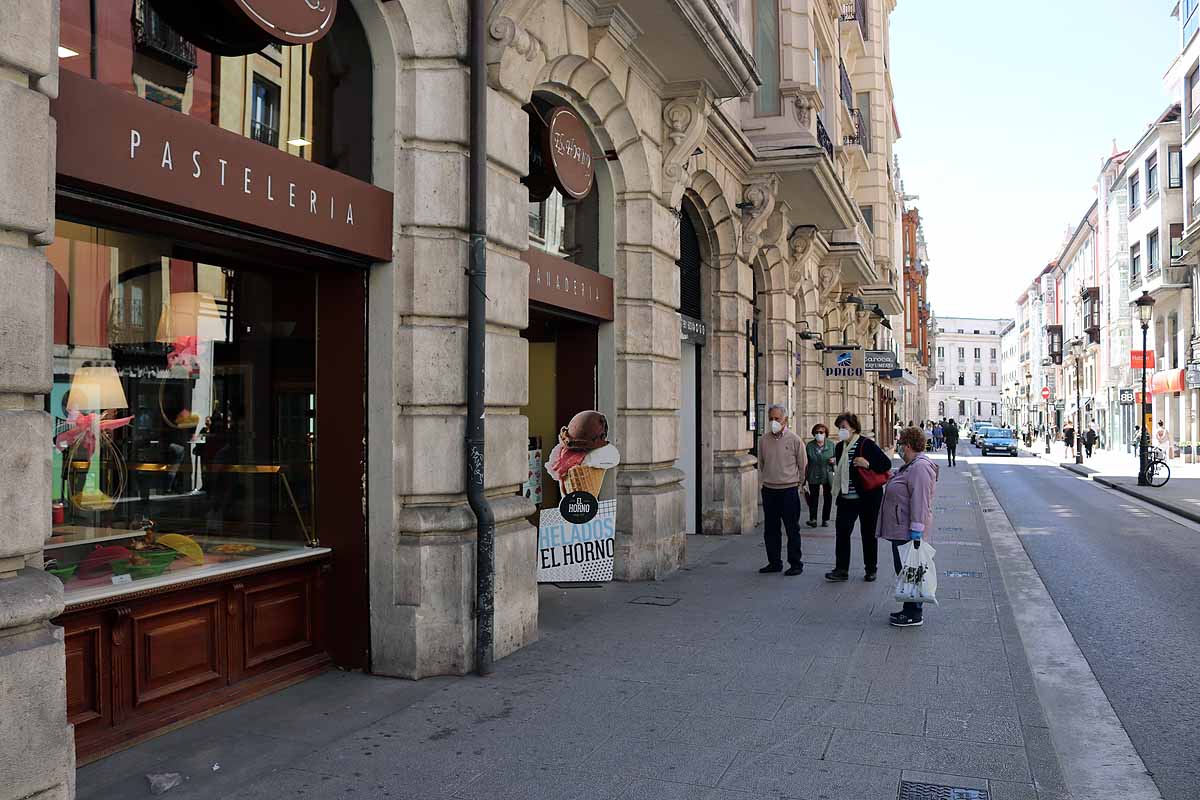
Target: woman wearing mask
[
  {"x": 907, "y": 510},
  {"x": 820, "y": 464},
  {"x": 856, "y": 502}
]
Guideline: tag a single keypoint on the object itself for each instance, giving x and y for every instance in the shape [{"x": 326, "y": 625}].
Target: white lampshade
[{"x": 96, "y": 389}]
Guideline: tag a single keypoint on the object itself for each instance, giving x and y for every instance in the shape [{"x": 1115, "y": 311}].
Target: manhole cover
[
  {"x": 654, "y": 600},
  {"x": 956, "y": 573},
  {"x": 912, "y": 790}
]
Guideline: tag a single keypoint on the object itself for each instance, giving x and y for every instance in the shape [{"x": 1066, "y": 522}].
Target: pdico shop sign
[{"x": 241, "y": 27}]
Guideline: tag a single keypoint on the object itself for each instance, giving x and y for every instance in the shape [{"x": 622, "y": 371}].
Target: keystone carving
[
  {"x": 802, "y": 107},
  {"x": 760, "y": 196},
  {"x": 686, "y": 119},
  {"x": 507, "y": 33}
]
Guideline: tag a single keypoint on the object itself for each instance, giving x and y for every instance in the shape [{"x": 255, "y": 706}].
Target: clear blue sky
[{"x": 1007, "y": 112}]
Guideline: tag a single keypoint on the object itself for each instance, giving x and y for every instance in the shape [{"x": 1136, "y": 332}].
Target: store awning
[{"x": 1167, "y": 381}]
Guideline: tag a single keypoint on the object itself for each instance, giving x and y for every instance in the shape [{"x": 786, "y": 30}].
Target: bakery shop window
[{"x": 184, "y": 410}]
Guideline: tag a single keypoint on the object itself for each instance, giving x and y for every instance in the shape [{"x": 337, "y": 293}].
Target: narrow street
[{"x": 1124, "y": 579}]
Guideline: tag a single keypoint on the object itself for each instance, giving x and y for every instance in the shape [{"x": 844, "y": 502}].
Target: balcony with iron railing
[
  {"x": 153, "y": 35},
  {"x": 261, "y": 132},
  {"x": 823, "y": 137},
  {"x": 856, "y": 11},
  {"x": 846, "y": 88}
]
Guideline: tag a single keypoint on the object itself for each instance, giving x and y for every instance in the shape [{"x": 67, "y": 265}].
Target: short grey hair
[{"x": 776, "y": 407}]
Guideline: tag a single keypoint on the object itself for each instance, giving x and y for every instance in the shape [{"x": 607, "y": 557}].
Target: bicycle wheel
[{"x": 1158, "y": 473}]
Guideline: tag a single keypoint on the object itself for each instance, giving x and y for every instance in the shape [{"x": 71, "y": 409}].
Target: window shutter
[{"x": 689, "y": 268}]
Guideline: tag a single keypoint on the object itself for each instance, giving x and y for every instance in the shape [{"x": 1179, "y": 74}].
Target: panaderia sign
[{"x": 119, "y": 143}]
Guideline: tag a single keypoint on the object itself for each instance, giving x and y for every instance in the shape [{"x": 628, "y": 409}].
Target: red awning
[{"x": 1167, "y": 381}]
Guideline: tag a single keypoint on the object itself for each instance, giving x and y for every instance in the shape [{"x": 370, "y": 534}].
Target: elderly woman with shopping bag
[{"x": 906, "y": 515}]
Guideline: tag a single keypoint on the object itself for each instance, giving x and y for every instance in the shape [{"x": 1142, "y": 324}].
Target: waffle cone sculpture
[{"x": 584, "y": 479}]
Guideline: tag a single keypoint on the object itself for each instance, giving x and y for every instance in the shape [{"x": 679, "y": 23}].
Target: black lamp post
[
  {"x": 1145, "y": 309},
  {"x": 1077, "y": 351}
]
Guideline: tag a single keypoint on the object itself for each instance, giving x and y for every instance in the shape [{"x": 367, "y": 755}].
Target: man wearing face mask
[{"x": 781, "y": 468}]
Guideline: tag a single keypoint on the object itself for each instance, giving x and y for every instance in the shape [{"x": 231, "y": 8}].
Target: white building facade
[{"x": 967, "y": 364}]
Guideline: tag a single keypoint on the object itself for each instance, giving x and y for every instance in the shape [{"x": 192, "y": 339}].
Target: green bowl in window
[
  {"x": 139, "y": 571},
  {"x": 64, "y": 574},
  {"x": 156, "y": 557}
]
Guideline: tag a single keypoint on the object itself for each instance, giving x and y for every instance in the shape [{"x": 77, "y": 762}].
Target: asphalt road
[{"x": 1125, "y": 580}]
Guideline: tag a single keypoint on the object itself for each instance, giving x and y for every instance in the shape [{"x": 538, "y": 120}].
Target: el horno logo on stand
[{"x": 579, "y": 508}]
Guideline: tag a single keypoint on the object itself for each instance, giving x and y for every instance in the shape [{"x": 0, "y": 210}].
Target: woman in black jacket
[{"x": 856, "y": 503}]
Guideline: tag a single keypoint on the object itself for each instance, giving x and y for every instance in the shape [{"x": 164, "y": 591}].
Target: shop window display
[{"x": 184, "y": 410}]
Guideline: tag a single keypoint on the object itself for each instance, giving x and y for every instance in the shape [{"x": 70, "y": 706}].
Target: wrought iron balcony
[
  {"x": 153, "y": 35},
  {"x": 847, "y": 88},
  {"x": 260, "y": 132},
  {"x": 862, "y": 134},
  {"x": 823, "y": 137},
  {"x": 856, "y": 11}
]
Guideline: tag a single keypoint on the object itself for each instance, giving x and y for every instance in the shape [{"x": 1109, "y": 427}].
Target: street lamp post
[
  {"x": 1077, "y": 351},
  {"x": 1145, "y": 309}
]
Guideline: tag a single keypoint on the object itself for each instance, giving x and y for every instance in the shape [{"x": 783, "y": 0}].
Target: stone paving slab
[{"x": 749, "y": 687}]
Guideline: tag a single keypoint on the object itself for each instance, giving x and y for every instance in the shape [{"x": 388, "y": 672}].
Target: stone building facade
[{"x": 774, "y": 141}]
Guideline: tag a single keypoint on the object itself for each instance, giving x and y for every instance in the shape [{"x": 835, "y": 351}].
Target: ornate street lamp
[
  {"x": 1077, "y": 353},
  {"x": 1145, "y": 310}
]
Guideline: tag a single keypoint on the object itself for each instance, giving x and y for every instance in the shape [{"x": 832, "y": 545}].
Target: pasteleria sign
[{"x": 577, "y": 540}]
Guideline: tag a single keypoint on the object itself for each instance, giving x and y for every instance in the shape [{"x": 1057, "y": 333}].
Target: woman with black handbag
[{"x": 862, "y": 470}]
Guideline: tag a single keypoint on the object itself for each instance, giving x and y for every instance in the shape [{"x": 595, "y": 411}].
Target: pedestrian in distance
[
  {"x": 906, "y": 513},
  {"x": 1089, "y": 439},
  {"x": 859, "y": 474},
  {"x": 952, "y": 442},
  {"x": 938, "y": 432},
  {"x": 1162, "y": 440},
  {"x": 781, "y": 468},
  {"x": 1068, "y": 434},
  {"x": 818, "y": 475}
]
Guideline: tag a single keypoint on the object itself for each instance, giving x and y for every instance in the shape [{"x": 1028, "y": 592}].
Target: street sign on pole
[{"x": 1045, "y": 392}]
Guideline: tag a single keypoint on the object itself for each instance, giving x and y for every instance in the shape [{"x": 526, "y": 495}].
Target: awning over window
[{"x": 1167, "y": 381}]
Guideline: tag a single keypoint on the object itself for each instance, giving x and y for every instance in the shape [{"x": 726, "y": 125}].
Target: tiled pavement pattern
[{"x": 749, "y": 687}]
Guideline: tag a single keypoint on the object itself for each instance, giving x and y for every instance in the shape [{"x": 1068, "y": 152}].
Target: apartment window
[
  {"x": 961, "y": 353},
  {"x": 537, "y": 220},
  {"x": 1135, "y": 260},
  {"x": 941, "y": 378},
  {"x": 962, "y": 408},
  {"x": 1151, "y": 176},
  {"x": 1174, "y": 168},
  {"x": 1192, "y": 88},
  {"x": 962, "y": 379},
  {"x": 993, "y": 354},
  {"x": 978, "y": 379},
  {"x": 1152, "y": 252},
  {"x": 766, "y": 54},
  {"x": 942, "y": 408},
  {"x": 863, "y": 101},
  {"x": 1176, "y": 240},
  {"x": 941, "y": 352},
  {"x": 868, "y": 214},
  {"x": 1135, "y": 186},
  {"x": 993, "y": 379},
  {"x": 264, "y": 108},
  {"x": 1190, "y": 20},
  {"x": 977, "y": 352},
  {"x": 995, "y": 410}
]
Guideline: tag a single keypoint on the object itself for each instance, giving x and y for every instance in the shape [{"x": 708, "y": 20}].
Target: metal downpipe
[{"x": 485, "y": 521}]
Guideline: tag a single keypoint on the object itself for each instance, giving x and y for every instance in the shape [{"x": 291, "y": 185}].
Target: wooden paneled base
[{"x": 138, "y": 666}]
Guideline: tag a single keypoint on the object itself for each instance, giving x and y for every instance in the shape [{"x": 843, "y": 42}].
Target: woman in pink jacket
[{"x": 907, "y": 510}]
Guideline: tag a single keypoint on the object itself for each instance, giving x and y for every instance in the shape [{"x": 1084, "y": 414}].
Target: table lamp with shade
[{"x": 94, "y": 390}]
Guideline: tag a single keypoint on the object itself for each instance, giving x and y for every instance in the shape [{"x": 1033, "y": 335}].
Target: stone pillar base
[
  {"x": 650, "y": 542},
  {"x": 428, "y": 627},
  {"x": 733, "y": 508}
]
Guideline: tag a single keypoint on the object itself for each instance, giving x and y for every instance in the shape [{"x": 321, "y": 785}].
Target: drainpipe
[{"x": 485, "y": 521}]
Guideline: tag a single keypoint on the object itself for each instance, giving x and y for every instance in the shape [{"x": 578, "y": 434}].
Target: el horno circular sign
[
  {"x": 291, "y": 21},
  {"x": 568, "y": 150},
  {"x": 240, "y": 27}
]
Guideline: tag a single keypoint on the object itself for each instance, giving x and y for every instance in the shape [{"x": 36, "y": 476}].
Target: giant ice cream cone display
[{"x": 583, "y": 454}]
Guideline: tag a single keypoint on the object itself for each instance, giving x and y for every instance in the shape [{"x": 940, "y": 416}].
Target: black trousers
[
  {"x": 911, "y": 609},
  {"x": 865, "y": 511},
  {"x": 815, "y": 490},
  {"x": 782, "y": 506},
  {"x": 951, "y": 451}
]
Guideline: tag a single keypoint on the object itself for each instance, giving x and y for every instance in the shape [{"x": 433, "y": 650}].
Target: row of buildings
[
  {"x": 237, "y": 256},
  {"x": 1075, "y": 347}
]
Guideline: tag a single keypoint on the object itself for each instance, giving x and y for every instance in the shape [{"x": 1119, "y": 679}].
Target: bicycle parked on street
[{"x": 1157, "y": 471}]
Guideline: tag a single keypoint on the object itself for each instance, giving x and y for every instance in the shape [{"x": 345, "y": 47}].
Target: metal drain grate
[
  {"x": 959, "y": 573},
  {"x": 949, "y": 528},
  {"x": 654, "y": 600},
  {"x": 912, "y": 790}
]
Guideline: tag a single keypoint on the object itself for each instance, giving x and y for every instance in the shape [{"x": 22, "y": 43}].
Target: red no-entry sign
[{"x": 1045, "y": 392}]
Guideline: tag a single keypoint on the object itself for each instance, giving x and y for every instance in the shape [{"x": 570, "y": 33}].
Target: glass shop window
[{"x": 183, "y": 406}]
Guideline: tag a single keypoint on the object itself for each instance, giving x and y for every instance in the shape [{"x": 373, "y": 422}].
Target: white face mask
[
  {"x": 820, "y": 438},
  {"x": 776, "y": 426},
  {"x": 843, "y": 433}
]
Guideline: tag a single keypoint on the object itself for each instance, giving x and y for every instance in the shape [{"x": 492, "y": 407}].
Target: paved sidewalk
[{"x": 727, "y": 685}]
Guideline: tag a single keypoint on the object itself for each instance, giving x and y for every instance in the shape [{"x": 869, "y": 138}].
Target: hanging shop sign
[
  {"x": 577, "y": 540},
  {"x": 845, "y": 363},
  {"x": 1192, "y": 376},
  {"x": 1126, "y": 397},
  {"x": 880, "y": 361},
  {"x": 1141, "y": 359},
  {"x": 692, "y": 330},
  {"x": 116, "y": 144},
  {"x": 556, "y": 282},
  {"x": 560, "y": 154},
  {"x": 241, "y": 27}
]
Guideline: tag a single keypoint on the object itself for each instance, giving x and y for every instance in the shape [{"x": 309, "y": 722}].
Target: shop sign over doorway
[
  {"x": 560, "y": 155},
  {"x": 880, "y": 361},
  {"x": 844, "y": 364}
]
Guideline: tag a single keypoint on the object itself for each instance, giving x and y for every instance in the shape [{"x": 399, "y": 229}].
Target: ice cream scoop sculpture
[{"x": 583, "y": 454}]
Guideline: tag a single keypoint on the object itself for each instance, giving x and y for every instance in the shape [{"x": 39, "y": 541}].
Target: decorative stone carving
[
  {"x": 760, "y": 197},
  {"x": 686, "y": 118},
  {"x": 800, "y": 240},
  {"x": 507, "y": 33},
  {"x": 802, "y": 107}
]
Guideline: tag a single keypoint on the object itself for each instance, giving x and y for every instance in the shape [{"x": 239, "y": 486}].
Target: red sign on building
[{"x": 1139, "y": 359}]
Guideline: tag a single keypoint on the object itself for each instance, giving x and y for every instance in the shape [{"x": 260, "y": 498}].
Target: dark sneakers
[
  {"x": 771, "y": 568},
  {"x": 869, "y": 577},
  {"x": 812, "y": 523},
  {"x": 836, "y": 577},
  {"x": 902, "y": 620},
  {"x": 794, "y": 570}
]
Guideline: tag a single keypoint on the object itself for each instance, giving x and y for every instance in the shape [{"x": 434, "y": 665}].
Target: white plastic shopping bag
[{"x": 917, "y": 582}]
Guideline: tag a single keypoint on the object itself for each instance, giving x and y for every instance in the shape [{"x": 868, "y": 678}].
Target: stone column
[{"x": 37, "y": 753}]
